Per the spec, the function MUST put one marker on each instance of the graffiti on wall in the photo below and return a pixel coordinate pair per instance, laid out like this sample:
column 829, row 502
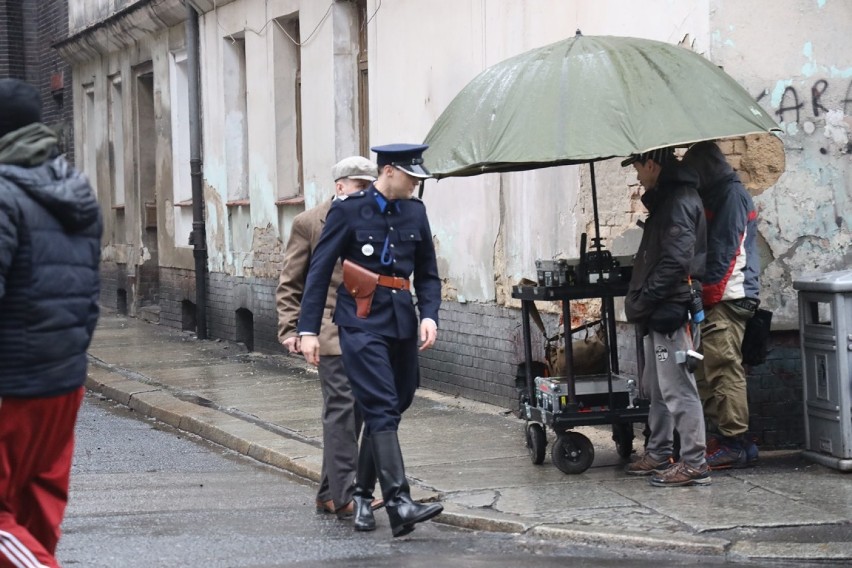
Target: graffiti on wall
column 795, row 107
column 793, row 102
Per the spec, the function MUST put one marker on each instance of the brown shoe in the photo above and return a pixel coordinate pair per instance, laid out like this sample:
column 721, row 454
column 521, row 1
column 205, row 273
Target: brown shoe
column 646, row 465
column 325, row 507
column 682, row 475
column 346, row 511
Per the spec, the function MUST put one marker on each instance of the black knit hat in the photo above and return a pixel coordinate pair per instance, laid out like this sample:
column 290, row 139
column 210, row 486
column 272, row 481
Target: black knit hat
column 20, row 105
column 660, row 155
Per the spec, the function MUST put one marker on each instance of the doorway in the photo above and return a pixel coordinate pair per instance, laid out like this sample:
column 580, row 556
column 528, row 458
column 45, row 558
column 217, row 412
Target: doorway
column 148, row 266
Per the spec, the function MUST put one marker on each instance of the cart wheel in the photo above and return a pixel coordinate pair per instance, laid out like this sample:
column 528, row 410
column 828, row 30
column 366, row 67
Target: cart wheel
column 536, row 443
column 572, row 453
column 622, row 435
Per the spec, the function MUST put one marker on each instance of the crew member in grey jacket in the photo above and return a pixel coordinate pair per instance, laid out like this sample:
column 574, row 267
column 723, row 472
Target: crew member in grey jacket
column 50, row 231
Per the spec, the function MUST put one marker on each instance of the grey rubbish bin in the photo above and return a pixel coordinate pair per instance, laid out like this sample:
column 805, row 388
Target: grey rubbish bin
column 825, row 324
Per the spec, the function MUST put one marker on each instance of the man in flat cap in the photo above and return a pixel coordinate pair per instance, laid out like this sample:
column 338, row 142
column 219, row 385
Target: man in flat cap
column 668, row 266
column 383, row 236
column 341, row 419
column 50, row 231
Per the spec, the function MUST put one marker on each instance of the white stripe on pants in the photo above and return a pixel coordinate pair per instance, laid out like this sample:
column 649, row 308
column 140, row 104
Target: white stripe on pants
column 18, row 554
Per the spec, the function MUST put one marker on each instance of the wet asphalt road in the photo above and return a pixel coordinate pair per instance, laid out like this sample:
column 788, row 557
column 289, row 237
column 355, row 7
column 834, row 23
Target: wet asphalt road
column 146, row 495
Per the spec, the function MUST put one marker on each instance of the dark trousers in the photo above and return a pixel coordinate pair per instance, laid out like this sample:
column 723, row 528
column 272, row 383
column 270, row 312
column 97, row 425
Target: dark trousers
column 384, row 373
column 341, row 424
column 36, row 446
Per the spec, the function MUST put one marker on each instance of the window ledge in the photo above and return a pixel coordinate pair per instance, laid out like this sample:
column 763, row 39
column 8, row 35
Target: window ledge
column 238, row 203
column 118, row 207
column 295, row 200
column 184, row 203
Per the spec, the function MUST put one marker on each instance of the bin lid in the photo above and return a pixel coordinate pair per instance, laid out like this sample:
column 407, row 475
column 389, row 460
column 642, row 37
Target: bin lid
column 840, row 281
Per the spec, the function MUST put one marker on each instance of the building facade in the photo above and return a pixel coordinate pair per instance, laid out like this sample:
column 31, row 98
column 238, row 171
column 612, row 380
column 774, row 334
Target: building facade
column 288, row 87
column 28, row 31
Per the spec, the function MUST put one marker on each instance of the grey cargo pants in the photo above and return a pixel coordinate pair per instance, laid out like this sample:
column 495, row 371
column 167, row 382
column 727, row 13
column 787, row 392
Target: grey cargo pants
column 674, row 399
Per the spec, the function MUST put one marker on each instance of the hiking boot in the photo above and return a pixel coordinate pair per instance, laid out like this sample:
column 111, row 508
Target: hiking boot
column 646, row 465
column 729, row 455
column 682, row 475
column 751, row 451
column 712, row 442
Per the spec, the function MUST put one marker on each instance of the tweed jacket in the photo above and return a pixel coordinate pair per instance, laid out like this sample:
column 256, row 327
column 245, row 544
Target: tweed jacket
column 305, row 234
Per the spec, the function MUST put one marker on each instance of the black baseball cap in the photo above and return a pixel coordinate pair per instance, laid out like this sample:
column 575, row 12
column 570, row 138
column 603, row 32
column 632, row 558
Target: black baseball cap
column 659, row 155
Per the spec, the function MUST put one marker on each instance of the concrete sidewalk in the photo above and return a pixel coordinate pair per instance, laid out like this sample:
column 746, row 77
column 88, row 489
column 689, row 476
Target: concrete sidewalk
column 473, row 458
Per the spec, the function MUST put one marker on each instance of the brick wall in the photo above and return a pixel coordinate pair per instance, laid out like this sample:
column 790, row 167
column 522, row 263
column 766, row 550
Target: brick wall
column 111, row 281
column 775, row 394
column 476, row 355
column 12, row 43
column 27, row 32
column 175, row 286
column 481, row 345
column 225, row 295
column 57, row 105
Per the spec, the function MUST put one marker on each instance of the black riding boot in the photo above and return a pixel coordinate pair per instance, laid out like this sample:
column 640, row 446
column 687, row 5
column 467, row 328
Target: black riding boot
column 365, row 482
column 402, row 511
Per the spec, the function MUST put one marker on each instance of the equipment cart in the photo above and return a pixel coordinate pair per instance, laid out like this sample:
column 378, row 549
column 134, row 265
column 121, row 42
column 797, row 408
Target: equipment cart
column 563, row 403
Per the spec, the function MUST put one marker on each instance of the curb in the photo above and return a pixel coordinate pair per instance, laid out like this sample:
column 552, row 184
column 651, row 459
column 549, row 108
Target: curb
column 221, row 428
column 684, row 543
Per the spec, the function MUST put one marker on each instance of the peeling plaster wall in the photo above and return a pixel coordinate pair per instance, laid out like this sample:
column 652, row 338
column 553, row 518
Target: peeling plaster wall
column 796, row 61
column 246, row 229
column 99, row 62
column 328, row 124
column 81, row 14
column 489, row 230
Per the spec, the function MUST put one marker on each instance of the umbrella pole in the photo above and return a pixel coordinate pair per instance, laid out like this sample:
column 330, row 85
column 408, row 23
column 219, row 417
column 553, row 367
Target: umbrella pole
column 607, row 308
column 596, row 242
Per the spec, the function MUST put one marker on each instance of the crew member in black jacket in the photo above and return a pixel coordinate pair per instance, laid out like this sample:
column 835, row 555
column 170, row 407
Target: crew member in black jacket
column 669, row 264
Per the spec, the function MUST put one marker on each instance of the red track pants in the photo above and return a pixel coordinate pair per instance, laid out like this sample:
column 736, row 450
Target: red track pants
column 36, row 446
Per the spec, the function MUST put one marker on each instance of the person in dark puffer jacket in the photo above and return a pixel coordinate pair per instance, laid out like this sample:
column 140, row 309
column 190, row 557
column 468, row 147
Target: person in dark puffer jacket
column 671, row 256
column 50, row 241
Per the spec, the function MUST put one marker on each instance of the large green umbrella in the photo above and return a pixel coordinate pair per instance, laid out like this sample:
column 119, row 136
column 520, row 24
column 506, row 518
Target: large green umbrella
column 588, row 98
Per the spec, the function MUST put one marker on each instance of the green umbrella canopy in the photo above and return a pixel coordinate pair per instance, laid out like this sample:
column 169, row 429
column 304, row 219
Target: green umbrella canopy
column 588, row 98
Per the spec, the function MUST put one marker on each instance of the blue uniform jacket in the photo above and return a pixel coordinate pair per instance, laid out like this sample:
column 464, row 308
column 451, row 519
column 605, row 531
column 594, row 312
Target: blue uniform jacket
column 390, row 238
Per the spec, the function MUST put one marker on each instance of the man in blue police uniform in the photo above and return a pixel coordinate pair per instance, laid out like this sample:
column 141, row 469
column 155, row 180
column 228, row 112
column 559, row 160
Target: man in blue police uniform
column 382, row 235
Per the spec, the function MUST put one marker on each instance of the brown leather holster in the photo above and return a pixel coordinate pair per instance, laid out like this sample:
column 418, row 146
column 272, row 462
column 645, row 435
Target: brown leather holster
column 361, row 284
